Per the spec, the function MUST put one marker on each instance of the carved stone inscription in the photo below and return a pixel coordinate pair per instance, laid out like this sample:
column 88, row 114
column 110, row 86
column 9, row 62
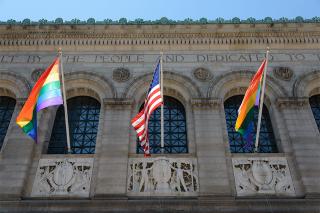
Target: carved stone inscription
column 168, row 58
column 162, row 176
column 63, row 177
column 254, row 176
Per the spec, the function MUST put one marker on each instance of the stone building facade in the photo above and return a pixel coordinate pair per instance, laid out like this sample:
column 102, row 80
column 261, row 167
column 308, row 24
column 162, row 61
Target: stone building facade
column 205, row 65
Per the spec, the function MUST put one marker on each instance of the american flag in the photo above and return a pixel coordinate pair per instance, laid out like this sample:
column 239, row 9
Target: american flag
column 152, row 102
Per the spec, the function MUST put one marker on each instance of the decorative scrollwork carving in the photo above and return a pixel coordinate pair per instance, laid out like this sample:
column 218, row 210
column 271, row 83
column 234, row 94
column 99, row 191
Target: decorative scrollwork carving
column 292, row 103
column 121, row 75
column 202, row 74
column 56, row 177
column 162, row 176
column 262, row 176
column 205, row 103
column 35, row 75
column 284, row 73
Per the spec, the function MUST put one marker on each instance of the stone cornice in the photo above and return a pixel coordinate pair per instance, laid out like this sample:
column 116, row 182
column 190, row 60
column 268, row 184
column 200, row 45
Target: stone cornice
column 205, row 103
column 157, row 31
column 161, row 35
column 292, row 103
column 146, row 36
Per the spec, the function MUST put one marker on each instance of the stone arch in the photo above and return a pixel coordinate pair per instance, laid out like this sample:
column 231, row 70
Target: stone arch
column 307, row 84
column 89, row 84
column 83, row 91
column 178, row 86
column 14, row 85
column 235, row 83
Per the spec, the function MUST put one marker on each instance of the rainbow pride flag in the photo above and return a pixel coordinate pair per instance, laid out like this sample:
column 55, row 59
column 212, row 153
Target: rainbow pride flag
column 46, row 92
column 244, row 124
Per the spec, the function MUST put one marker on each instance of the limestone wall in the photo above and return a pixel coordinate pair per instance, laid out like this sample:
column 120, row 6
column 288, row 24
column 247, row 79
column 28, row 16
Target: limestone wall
column 203, row 66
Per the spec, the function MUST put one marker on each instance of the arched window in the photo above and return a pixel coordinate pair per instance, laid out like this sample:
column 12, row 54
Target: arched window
column 175, row 128
column 315, row 107
column 83, row 115
column 7, row 105
column 237, row 144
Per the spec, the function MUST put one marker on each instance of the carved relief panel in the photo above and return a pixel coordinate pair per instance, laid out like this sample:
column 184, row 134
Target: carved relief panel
column 162, row 176
column 268, row 175
column 63, row 177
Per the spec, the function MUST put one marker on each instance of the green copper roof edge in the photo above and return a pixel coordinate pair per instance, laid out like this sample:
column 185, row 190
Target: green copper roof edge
column 161, row 21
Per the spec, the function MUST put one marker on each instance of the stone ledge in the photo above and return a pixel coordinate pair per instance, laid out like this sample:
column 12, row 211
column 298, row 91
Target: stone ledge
column 210, row 204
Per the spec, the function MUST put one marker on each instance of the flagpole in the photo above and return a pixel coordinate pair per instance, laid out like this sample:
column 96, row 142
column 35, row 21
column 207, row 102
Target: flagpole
column 65, row 103
column 161, row 90
column 261, row 102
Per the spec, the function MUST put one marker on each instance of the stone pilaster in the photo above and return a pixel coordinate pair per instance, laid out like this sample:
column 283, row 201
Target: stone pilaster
column 305, row 140
column 111, row 177
column 210, row 150
column 15, row 159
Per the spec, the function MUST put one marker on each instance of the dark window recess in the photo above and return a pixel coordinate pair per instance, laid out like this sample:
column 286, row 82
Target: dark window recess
column 175, row 129
column 315, row 107
column 267, row 143
column 83, row 115
column 7, row 105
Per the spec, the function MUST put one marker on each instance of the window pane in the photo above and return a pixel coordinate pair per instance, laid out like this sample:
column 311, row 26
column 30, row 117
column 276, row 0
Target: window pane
column 83, row 115
column 175, row 130
column 315, row 107
column 7, row 105
column 237, row 144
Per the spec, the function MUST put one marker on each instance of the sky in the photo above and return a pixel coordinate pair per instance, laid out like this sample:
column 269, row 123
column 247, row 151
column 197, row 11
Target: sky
column 155, row 9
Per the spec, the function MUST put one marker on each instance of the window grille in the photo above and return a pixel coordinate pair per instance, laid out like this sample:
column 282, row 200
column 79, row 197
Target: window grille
column 83, row 115
column 175, row 129
column 267, row 143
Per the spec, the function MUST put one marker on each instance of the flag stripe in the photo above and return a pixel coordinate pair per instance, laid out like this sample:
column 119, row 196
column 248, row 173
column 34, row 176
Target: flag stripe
column 50, row 102
column 55, row 85
column 49, row 95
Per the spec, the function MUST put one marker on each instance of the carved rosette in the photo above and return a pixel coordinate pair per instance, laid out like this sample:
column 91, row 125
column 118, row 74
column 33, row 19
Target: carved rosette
column 36, row 73
column 202, row 74
column 162, row 177
column 269, row 175
column 121, row 75
column 283, row 73
column 63, row 177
